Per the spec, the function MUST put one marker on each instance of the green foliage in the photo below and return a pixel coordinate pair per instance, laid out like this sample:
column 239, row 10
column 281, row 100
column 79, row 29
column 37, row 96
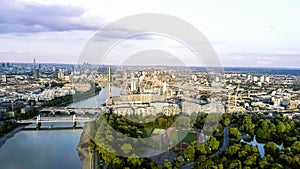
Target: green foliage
column 62, row 101
column 235, row 164
column 247, row 125
column 227, row 121
column 296, row 147
column 239, row 155
column 281, row 127
column 126, row 148
column 6, row 127
column 270, row 148
column 235, row 133
column 265, row 129
column 32, row 112
column 167, row 165
column 212, row 143
column 189, row 153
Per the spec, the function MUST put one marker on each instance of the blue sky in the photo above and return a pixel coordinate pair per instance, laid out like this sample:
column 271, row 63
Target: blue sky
column 244, row 33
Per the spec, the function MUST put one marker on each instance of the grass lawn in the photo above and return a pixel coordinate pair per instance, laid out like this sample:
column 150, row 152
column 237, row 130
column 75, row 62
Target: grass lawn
column 190, row 137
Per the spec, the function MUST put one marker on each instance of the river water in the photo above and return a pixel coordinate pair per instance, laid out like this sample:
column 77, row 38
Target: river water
column 96, row 101
column 48, row 149
column 41, row 150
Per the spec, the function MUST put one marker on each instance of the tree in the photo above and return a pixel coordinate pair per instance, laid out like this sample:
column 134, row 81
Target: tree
column 212, row 143
column 265, row 130
column 296, row 147
column 117, row 163
column 178, row 162
column 247, row 125
column 126, row 148
column 281, row 127
column 235, row 133
column 167, row 164
column 227, row 121
column 251, row 160
column 232, row 150
column 235, row 164
column 270, row 148
column 134, row 161
column 263, row 163
column 277, row 166
column 199, row 149
column 189, row 153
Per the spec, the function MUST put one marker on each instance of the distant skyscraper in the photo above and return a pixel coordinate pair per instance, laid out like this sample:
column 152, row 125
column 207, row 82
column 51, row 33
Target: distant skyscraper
column 262, row 79
column 36, row 73
column 61, row 75
column 267, row 79
column 34, row 63
column 165, row 88
column 6, row 65
column 249, row 77
column 255, row 79
column 4, row 78
column 133, row 86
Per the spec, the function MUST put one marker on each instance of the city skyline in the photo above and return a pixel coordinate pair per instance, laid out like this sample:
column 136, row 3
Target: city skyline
column 244, row 34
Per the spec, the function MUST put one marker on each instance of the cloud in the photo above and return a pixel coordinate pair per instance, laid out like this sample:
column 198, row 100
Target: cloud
column 14, row 52
column 266, row 56
column 21, row 17
column 122, row 33
column 276, row 59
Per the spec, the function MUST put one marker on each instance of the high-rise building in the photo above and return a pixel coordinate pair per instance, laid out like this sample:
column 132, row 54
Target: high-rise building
column 4, row 79
column 34, row 63
column 133, row 86
column 36, row 73
column 262, row 79
column 61, row 75
column 255, row 79
column 249, row 77
column 165, row 88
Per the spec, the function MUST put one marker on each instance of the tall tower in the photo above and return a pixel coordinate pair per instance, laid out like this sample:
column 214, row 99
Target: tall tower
column 34, row 63
column 109, row 81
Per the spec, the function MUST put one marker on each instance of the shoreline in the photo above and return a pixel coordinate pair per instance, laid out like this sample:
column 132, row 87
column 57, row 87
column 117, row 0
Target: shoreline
column 9, row 135
column 75, row 98
column 83, row 150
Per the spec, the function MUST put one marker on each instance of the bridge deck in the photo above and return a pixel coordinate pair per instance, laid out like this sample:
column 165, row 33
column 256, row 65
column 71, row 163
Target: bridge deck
column 58, row 120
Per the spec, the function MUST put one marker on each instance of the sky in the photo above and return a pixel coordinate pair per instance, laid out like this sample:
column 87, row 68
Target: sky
column 250, row 33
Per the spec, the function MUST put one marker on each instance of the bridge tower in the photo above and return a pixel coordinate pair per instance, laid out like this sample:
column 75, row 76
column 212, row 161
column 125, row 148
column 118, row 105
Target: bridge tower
column 74, row 121
column 38, row 121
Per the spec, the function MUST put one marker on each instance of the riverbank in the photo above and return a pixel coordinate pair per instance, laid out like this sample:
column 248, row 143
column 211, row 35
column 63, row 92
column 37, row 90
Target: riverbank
column 9, row 135
column 68, row 99
column 84, row 151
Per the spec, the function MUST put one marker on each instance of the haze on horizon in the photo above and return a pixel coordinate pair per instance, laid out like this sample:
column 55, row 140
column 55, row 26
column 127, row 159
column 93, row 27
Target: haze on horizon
column 243, row 33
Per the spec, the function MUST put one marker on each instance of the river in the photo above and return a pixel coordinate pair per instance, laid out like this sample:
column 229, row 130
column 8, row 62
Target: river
column 96, row 101
column 48, row 149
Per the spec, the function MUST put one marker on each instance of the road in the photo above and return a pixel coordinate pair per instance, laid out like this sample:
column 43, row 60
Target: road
column 225, row 141
column 223, row 148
